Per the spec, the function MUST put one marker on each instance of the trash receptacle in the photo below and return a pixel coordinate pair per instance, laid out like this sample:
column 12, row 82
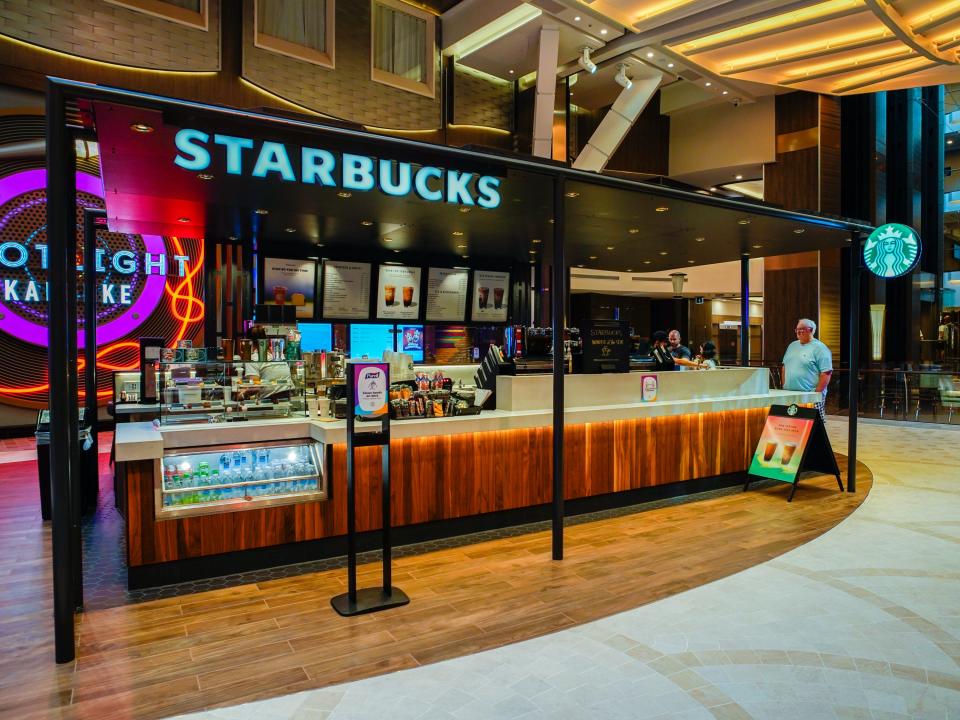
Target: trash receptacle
column 89, row 471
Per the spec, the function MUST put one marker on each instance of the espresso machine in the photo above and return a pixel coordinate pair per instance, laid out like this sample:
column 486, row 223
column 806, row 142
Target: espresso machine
column 529, row 350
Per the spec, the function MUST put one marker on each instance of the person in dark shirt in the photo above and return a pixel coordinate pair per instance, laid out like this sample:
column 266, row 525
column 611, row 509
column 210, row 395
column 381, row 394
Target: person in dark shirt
column 677, row 349
column 662, row 357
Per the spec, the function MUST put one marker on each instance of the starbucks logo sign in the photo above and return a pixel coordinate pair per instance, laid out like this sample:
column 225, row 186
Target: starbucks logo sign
column 891, row 250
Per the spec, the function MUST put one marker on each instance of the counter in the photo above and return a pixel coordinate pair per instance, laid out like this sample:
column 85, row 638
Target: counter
column 460, row 474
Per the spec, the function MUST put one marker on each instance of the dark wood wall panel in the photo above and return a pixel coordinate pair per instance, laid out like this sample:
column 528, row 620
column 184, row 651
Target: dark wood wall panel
column 792, row 181
column 646, row 147
column 455, row 476
column 830, row 182
column 787, row 295
column 796, row 111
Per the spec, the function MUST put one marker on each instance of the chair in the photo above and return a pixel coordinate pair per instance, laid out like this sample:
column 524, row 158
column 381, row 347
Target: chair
column 894, row 390
column 925, row 390
column 949, row 396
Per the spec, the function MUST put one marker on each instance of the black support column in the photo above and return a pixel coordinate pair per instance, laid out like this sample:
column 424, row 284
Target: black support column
column 558, row 292
column 853, row 353
column 745, row 310
column 62, row 278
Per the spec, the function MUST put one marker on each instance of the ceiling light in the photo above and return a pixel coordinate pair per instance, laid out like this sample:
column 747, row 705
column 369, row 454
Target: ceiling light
column 366, row 223
column 344, row 194
column 510, row 71
column 629, row 269
column 708, row 83
column 232, row 237
column 312, row 257
column 757, row 247
column 662, row 209
column 647, row 262
column 610, row 247
column 649, row 54
column 391, row 262
column 633, row 231
column 396, row 251
column 262, row 211
column 461, row 247
column 593, row 257
column 205, row 176
column 536, row 241
column 585, row 62
column 700, row 239
column 621, row 77
column 743, row 221
column 464, row 209
column 691, row 261
column 141, row 128
column 725, row 92
column 532, row 252
column 388, row 239
column 799, row 231
column 183, row 219
column 663, row 252
column 290, row 229
column 603, row 32
column 580, row 265
column 571, row 194
column 713, row 189
column 457, row 233
column 669, row 65
column 465, row 257
column 949, row 142
column 738, row 177
column 319, row 244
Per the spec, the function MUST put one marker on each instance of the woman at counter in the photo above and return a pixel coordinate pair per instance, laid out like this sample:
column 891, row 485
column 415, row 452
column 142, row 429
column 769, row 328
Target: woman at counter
column 707, row 359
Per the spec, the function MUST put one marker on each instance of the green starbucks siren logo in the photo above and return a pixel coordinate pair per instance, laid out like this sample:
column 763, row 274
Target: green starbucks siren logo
column 891, row 250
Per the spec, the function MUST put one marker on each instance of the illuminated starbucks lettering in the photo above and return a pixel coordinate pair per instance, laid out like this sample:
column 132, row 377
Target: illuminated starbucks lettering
column 891, row 250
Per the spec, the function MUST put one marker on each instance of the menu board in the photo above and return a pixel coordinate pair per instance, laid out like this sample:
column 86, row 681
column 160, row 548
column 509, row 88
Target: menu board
column 398, row 293
column 447, row 294
column 490, row 296
column 782, row 444
column 346, row 290
column 290, row 282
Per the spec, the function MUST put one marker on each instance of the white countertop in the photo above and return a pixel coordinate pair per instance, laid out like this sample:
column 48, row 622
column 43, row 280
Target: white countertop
column 145, row 441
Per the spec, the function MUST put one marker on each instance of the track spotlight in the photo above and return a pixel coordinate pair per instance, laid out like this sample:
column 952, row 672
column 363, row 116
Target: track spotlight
column 621, row 77
column 585, row 62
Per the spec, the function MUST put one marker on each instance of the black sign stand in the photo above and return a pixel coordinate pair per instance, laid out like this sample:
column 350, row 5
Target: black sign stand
column 816, row 456
column 373, row 599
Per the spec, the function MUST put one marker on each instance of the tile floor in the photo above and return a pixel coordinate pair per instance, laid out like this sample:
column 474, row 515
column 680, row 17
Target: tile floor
column 863, row 622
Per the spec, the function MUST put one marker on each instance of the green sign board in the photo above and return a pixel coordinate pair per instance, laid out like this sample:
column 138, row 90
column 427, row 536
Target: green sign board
column 891, row 250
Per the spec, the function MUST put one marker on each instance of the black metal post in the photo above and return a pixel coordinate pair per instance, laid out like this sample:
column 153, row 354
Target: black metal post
column 745, row 310
column 853, row 383
column 558, row 293
column 351, row 496
column 91, row 219
column 60, row 229
column 387, row 558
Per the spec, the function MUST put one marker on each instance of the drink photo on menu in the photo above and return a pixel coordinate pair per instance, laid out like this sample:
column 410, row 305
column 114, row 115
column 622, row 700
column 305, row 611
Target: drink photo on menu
column 398, row 294
column 490, row 295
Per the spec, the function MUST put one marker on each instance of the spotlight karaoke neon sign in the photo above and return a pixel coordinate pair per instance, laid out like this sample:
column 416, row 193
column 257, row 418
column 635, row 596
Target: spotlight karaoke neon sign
column 321, row 167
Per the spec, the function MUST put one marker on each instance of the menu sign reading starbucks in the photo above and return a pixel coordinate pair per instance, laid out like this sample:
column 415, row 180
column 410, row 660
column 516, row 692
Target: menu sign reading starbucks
column 891, row 250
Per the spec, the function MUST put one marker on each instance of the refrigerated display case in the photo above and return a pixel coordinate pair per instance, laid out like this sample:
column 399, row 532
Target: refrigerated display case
column 227, row 478
column 231, row 391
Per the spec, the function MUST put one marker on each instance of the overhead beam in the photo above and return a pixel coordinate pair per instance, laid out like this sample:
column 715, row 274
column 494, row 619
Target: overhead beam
column 850, row 67
column 898, row 26
column 840, row 90
column 923, row 28
column 546, row 92
column 811, row 55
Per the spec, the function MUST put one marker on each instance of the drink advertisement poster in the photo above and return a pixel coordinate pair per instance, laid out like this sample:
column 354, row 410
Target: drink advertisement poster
column 398, row 293
column 781, row 447
column 290, row 282
column 371, row 382
column 490, row 296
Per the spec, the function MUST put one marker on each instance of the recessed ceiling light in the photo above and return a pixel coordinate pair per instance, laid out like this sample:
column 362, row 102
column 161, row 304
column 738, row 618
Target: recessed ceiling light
column 708, row 83
column 663, row 252
column 366, row 223
column 465, row 257
column 725, row 92
column 461, row 247
column 746, row 254
column 536, row 241
column 713, row 189
column 757, row 247
column 633, row 231
column 649, row 54
column 290, row 229
column 457, row 233
column 391, row 262
column 551, row 220
column 319, row 244
column 691, row 261
column 603, row 32
column 669, row 65
column 312, row 257
column 510, row 71
column 738, row 177
column 662, row 209
column 700, row 239
column 205, row 176
column 141, row 128
column 532, row 252
column 647, row 262
column 593, row 257
column 580, row 265
column 799, row 231
column 388, row 239
column 396, row 251
column 262, row 211
column 629, row 269
column 232, row 237
column 743, row 221
column 571, row 194
column 610, row 247
column 183, row 219
column 577, row 19
column 344, row 194
column 949, row 142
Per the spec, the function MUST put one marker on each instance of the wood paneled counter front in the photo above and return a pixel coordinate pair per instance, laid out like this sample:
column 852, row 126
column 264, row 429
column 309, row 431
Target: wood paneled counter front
column 451, row 469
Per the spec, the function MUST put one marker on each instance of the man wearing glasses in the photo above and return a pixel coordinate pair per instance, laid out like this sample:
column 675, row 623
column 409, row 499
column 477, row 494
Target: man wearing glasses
column 808, row 363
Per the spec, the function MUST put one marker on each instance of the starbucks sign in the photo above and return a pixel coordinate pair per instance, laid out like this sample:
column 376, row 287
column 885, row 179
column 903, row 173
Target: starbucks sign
column 892, row 250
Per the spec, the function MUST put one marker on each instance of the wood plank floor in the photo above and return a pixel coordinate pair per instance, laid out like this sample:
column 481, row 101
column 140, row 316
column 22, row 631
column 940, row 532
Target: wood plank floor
column 223, row 647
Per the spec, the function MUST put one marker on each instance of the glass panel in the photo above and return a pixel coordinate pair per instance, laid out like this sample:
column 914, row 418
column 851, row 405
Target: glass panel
column 302, row 22
column 400, row 43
